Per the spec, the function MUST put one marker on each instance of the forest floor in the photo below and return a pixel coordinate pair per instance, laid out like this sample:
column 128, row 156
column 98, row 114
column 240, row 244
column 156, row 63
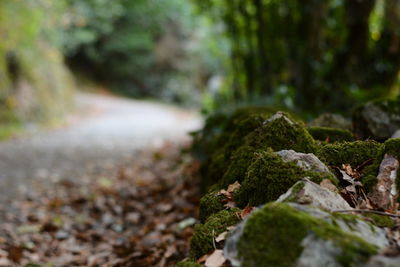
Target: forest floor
column 109, row 188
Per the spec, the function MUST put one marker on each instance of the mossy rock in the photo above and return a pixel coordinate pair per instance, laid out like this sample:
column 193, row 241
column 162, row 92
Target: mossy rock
column 187, row 263
column 210, row 203
column 243, row 127
column 275, row 235
column 353, row 153
column 380, row 220
column 204, row 234
column 280, row 132
column 269, row 176
column 330, row 135
column 239, row 163
column 213, row 170
column 377, row 119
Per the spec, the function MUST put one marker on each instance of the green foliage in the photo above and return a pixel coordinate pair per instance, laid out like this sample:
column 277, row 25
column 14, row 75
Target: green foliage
column 309, row 55
column 330, row 135
column 284, row 228
column 204, row 234
column 34, row 84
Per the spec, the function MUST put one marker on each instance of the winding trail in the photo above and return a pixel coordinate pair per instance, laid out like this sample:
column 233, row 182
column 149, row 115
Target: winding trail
column 106, row 131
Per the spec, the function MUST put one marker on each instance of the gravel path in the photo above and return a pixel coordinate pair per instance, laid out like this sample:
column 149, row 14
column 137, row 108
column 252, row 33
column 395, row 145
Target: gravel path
column 106, row 131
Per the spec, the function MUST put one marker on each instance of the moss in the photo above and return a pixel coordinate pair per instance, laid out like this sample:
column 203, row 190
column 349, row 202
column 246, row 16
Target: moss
column 9, row 123
column 331, row 135
column 213, row 170
column 243, row 127
column 204, row 234
column 186, row 263
column 240, row 161
column 353, row 153
column 282, row 133
column 283, row 229
column 269, row 176
column 380, row 220
column 210, row 203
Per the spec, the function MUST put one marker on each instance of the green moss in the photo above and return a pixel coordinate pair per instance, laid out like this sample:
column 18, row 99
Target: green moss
column 210, row 203
column 269, row 176
column 331, row 135
column 283, row 229
column 353, row 153
column 204, row 234
column 243, row 127
column 380, row 220
column 213, row 170
column 240, row 161
column 282, row 133
column 186, row 263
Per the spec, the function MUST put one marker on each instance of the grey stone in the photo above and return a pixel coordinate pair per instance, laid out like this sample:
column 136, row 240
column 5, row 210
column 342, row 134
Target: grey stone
column 377, row 119
column 396, row 134
column 307, row 192
column 308, row 162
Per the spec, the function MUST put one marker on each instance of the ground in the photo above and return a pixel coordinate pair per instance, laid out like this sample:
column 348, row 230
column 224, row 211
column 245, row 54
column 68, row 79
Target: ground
column 105, row 131
column 110, row 187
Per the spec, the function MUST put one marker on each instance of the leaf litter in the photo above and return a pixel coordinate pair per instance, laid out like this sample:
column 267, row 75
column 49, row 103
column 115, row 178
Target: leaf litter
column 141, row 215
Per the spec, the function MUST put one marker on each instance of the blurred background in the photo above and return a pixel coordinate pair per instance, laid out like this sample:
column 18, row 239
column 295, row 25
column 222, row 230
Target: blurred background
column 307, row 56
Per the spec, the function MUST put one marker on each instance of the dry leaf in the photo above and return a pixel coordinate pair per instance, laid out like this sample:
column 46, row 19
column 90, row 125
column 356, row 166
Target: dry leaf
column 233, row 187
column 246, row 211
column 216, row 259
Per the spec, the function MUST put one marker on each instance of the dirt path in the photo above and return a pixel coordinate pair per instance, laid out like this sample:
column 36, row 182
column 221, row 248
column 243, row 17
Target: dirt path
column 109, row 131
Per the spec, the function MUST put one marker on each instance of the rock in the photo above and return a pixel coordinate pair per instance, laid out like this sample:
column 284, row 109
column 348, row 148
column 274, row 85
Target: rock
column 383, row 261
column 396, row 134
column 331, row 121
column 384, row 193
column 330, row 135
column 290, row 234
column 307, row 192
column 377, row 119
column 308, row 162
column 270, row 176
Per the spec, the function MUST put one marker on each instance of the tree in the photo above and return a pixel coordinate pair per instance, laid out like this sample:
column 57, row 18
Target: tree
column 324, row 55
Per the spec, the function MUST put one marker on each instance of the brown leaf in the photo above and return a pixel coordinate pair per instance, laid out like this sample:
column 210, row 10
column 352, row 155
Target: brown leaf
column 233, row 187
column 246, row 211
column 216, row 259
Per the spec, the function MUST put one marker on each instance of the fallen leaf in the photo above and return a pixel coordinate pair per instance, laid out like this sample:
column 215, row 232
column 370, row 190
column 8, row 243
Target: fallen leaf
column 216, row 259
column 233, row 187
column 246, row 211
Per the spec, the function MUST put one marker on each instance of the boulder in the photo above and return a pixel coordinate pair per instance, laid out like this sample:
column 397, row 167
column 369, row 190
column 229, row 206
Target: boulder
column 331, row 120
column 290, row 234
column 307, row 192
column 377, row 119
